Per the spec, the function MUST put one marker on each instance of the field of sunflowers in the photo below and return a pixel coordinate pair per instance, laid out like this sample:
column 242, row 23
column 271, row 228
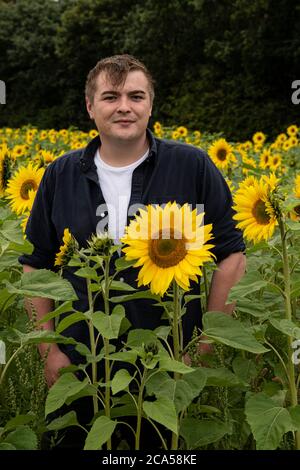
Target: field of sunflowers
column 243, row 396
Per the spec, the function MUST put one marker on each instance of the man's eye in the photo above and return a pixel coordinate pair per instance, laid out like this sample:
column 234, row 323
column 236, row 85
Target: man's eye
column 109, row 98
column 137, row 97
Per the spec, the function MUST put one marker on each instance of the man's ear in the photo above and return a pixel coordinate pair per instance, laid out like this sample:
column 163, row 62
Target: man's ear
column 89, row 107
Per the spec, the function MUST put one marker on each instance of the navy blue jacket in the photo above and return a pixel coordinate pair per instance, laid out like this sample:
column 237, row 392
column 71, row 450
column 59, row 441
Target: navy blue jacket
column 70, row 196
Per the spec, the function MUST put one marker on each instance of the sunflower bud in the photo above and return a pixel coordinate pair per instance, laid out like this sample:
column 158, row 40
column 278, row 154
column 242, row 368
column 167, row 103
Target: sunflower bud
column 101, row 244
column 150, row 355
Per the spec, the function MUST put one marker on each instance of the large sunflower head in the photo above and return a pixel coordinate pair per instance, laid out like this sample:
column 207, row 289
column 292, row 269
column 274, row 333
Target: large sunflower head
column 24, row 180
column 66, row 250
column 254, row 211
column 168, row 243
column 221, row 153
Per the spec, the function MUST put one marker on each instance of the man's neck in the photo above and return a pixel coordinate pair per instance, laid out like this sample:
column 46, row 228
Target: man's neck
column 120, row 153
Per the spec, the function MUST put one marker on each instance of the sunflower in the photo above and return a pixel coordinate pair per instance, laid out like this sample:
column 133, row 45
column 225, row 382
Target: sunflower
column 286, row 145
column 249, row 181
column 264, row 159
column 157, row 127
column 182, row 131
column 169, row 243
column 292, row 130
column 25, row 179
column 93, row 133
column 248, row 160
column 293, row 141
column 259, row 138
column 221, row 153
column 281, row 138
column 275, row 162
column 66, row 250
column 271, row 180
column 254, row 211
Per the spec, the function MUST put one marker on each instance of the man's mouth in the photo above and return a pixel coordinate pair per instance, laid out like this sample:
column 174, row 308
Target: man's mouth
column 124, row 121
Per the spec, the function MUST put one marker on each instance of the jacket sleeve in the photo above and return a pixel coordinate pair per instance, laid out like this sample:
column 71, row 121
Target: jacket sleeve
column 216, row 197
column 40, row 229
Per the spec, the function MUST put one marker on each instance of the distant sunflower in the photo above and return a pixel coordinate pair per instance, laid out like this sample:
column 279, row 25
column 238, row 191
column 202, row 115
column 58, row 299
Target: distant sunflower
column 286, row 145
column 281, row 138
column 66, row 250
column 292, row 130
column 93, row 133
column 169, row 243
column 271, row 180
column 182, row 131
column 254, row 211
column 19, row 151
column 275, row 162
column 157, row 127
column 264, row 159
column 25, row 179
column 221, row 153
column 249, row 181
column 259, row 138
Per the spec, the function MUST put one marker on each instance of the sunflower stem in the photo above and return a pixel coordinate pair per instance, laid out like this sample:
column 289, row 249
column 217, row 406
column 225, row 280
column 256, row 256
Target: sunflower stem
column 106, row 346
column 206, row 288
column 288, row 316
column 140, row 410
column 93, row 344
column 176, row 345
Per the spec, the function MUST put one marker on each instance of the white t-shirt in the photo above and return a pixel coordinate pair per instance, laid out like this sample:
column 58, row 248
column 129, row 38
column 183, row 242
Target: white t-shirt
column 115, row 183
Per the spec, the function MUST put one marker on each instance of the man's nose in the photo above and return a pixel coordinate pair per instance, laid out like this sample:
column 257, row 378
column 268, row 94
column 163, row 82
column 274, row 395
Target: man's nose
column 124, row 105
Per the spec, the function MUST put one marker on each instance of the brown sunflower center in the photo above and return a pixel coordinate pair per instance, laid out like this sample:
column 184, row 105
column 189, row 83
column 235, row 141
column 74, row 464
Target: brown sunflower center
column 26, row 187
column 260, row 214
column 166, row 252
column 221, row 154
column 297, row 209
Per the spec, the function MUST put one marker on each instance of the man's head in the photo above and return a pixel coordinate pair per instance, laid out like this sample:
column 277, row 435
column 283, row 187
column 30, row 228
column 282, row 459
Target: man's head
column 116, row 69
column 119, row 97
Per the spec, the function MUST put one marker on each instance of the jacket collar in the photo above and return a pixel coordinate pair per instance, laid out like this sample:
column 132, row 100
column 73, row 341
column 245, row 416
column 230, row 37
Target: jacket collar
column 87, row 158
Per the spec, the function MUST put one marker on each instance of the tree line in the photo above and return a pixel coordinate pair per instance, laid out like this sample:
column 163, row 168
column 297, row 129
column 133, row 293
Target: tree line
column 219, row 65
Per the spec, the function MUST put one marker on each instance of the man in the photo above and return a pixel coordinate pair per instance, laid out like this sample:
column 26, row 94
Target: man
column 129, row 166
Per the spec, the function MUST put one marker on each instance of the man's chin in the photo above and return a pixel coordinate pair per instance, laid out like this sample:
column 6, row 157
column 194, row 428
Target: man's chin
column 128, row 136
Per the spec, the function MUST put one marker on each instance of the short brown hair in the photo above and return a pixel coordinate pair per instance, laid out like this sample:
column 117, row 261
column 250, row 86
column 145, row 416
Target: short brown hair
column 117, row 68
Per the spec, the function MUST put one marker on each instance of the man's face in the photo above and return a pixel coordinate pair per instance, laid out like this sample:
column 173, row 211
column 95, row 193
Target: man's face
column 121, row 114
